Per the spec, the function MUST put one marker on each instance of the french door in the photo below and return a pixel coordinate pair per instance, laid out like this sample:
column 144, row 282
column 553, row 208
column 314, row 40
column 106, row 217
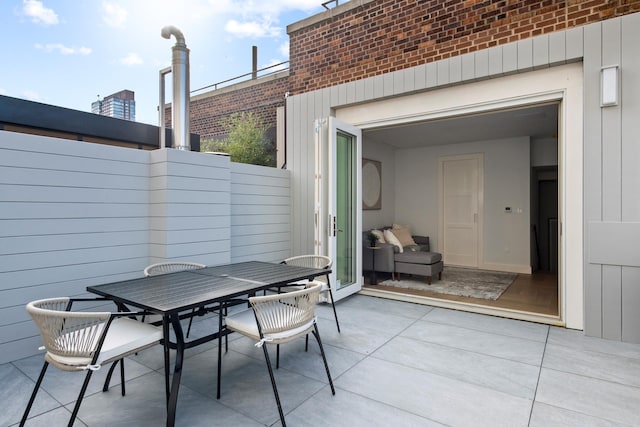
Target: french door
column 338, row 202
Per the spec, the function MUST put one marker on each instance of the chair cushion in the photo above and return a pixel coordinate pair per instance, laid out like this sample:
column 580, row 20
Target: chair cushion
column 125, row 336
column 245, row 323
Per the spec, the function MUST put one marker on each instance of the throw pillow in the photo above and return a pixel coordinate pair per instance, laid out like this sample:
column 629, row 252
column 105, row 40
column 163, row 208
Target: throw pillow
column 380, row 235
column 390, row 238
column 397, row 226
column 404, row 236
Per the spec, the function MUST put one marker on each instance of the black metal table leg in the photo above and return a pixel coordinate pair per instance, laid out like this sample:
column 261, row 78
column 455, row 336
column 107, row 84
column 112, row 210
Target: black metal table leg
column 177, row 371
column 167, row 355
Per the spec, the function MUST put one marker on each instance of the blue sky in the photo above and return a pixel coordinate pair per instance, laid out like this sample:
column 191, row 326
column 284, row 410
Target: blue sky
column 67, row 52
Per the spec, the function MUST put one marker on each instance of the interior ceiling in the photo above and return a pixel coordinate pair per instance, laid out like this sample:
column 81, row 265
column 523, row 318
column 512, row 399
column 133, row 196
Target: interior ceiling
column 540, row 121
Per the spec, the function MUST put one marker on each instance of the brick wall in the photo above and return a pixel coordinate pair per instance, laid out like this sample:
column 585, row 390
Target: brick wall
column 208, row 111
column 388, row 35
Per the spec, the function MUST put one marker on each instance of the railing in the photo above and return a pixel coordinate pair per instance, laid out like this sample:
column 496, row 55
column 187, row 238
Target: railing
column 326, row 3
column 217, row 85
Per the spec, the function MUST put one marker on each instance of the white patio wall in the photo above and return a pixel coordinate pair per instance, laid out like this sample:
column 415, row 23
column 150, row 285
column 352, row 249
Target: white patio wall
column 74, row 214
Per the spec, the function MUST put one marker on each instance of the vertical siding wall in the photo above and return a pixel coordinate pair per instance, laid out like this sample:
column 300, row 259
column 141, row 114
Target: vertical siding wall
column 612, row 177
column 611, row 150
column 75, row 214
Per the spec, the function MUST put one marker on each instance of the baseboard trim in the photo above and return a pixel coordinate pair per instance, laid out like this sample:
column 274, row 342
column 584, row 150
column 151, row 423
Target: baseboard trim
column 508, row 268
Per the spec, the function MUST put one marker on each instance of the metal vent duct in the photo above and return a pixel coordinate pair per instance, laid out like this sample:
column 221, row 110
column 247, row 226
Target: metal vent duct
column 180, row 72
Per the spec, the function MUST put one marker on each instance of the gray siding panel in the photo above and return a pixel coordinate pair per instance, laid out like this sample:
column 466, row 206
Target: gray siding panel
column 611, row 302
column 455, row 69
column 442, row 70
column 630, row 298
column 611, row 144
column 495, row 60
column 592, row 179
column 482, row 64
column 525, row 54
column 557, row 48
column 420, row 77
column 510, row 58
column 541, row 51
column 630, row 129
column 469, row 66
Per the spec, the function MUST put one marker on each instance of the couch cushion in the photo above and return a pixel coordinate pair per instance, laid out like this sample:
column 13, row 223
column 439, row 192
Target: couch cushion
column 391, row 238
column 418, row 257
column 404, row 236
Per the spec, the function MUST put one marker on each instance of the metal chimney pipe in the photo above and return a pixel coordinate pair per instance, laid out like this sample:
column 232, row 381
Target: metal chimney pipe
column 254, row 62
column 180, row 71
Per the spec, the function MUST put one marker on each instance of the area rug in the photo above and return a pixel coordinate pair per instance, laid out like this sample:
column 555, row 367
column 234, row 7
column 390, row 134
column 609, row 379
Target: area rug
column 464, row 282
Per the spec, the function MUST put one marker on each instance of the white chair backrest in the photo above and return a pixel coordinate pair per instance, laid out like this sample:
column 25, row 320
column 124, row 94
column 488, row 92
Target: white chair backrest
column 311, row 261
column 170, row 267
column 72, row 335
column 283, row 312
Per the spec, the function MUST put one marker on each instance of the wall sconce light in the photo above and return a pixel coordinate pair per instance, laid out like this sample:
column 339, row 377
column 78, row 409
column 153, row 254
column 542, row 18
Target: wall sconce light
column 609, row 86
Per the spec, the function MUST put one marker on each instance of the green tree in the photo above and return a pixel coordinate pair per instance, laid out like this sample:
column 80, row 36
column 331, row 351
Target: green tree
column 246, row 140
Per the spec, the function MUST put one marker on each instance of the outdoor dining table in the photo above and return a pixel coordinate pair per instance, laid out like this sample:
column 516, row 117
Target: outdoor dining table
column 171, row 294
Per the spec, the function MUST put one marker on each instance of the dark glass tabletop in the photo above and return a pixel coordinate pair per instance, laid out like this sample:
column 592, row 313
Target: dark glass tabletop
column 175, row 292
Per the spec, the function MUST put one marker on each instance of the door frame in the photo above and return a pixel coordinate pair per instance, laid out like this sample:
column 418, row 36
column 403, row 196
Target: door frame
column 563, row 84
column 325, row 241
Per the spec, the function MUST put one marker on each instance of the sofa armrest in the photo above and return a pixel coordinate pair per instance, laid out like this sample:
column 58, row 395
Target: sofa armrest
column 423, row 242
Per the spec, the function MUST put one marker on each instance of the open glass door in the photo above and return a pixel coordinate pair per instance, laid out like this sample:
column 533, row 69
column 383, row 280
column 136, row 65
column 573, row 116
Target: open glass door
column 338, row 202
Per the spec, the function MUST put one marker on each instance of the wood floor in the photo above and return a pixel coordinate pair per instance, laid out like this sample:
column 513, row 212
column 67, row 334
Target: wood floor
column 534, row 293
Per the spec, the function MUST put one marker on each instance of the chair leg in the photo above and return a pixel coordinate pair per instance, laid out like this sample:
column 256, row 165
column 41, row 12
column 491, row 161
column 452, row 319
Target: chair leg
column 278, row 356
column 107, row 380
column 33, row 395
column 122, row 389
column 273, row 384
column 219, row 350
column 306, row 343
column 335, row 313
column 76, row 407
column 316, row 334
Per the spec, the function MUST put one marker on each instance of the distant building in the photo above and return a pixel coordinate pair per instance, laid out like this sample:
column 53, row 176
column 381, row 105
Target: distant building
column 120, row 105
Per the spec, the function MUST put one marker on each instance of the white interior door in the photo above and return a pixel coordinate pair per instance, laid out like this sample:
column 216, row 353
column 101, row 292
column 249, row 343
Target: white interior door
column 460, row 209
column 338, row 202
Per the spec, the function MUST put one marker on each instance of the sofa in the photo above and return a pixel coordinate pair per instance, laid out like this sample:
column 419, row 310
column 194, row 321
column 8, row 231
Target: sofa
column 416, row 259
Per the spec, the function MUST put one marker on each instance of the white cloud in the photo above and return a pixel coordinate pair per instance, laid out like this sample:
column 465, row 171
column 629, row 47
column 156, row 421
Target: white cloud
column 284, row 49
column 39, row 13
column 31, row 95
column 114, row 15
column 251, row 29
column 3, row 91
column 268, row 9
column 64, row 50
column 131, row 59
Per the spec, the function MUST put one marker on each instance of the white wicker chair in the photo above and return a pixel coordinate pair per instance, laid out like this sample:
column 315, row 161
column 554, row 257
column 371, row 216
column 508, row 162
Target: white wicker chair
column 170, row 267
column 81, row 340
column 312, row 261
column 277, row 319
column 166, row 268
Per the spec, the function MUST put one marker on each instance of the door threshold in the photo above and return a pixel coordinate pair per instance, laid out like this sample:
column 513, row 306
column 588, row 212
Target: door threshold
column 465, row 306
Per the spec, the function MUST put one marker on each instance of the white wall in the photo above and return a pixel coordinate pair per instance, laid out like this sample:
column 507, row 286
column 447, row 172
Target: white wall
column 544, row 152
column 385, row 155
column 506, row 183
column 76, row 214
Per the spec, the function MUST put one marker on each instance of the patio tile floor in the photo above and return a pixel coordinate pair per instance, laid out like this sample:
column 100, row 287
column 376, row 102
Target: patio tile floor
column 394, row 363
